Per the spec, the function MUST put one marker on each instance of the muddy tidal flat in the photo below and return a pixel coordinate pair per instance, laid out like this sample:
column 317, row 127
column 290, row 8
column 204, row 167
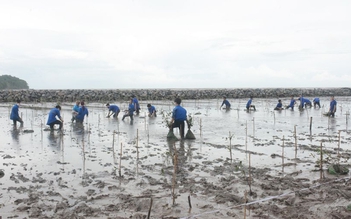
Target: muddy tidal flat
column 257, row 164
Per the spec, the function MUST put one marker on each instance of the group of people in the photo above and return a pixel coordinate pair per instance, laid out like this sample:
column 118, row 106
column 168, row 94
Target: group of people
column 179, row 114
column 304, row 103
column 113, row 110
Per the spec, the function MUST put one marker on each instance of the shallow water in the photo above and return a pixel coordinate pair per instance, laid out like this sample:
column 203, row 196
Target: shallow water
column 66, row 160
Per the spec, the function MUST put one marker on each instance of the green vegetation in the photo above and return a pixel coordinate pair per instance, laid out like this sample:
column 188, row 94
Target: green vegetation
column 10, row 82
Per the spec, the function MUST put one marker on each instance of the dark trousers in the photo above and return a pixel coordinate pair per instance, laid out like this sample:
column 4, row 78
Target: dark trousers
column 331, row 114
column 292, row 107
column 317, row 104
column 57, row 122
column 115, row 115
column 181, row 125
column 17, row 120
column 129, row 114
column 251, row 106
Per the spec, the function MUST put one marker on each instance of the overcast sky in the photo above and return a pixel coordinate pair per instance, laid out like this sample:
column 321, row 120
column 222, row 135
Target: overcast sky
column 176, row 44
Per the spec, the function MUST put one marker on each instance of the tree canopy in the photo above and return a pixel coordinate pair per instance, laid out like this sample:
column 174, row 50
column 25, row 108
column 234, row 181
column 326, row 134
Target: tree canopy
column 10, row 82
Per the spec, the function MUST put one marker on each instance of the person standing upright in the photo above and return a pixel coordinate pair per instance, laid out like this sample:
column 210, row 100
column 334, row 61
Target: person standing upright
column 136, row 104
column 332, row 108
column 15, row 115
column 130, row 110
column 292, row 103
column 83, row 110
column 75, row 110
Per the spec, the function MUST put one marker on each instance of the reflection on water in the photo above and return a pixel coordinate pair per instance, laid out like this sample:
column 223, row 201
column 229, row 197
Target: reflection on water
column 15, row 135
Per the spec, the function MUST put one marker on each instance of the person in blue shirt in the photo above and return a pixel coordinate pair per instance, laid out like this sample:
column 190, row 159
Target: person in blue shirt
column 136, row 104
column 304, row 102
column 112, row 110
column 130, row 111
column 82, row 112
column 307, row 103
column 75, row 110
column 292, row 103
column 249, row 104
column 226, row 103
column 15, row 115
column 332, row 108
column 52, row 120
column 279, row 105
column 179, row 117
column 152, row 110
column 316, row 102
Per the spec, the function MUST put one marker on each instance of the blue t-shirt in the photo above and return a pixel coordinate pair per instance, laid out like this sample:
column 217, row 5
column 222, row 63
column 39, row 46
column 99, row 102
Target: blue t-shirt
column 52, row 115
column 248, row 103
column 14, row 112
column 136, row 103
column 75, row 108
column 81, row 113
column 292, row 102
column 113, row 108
column 306, row 101
column 179, row 113
column 332, row 106
column 151, row 109
column 131, row 108
column 316, row 100
column 226, row 103
column 279, row 105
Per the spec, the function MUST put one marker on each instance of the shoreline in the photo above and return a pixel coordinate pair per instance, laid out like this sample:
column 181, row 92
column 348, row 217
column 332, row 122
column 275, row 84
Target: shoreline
column 97, row 95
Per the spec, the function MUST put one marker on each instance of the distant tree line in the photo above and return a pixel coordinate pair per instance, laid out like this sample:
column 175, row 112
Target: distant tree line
column 10, row 82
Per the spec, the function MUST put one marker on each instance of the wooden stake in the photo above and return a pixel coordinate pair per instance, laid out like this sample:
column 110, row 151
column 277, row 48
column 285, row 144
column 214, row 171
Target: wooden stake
column 246, row 137
column 230, row 146
column 149, row 213
column 321, row 163
column 283, row 155
column 200, row 127
column 295, row 136
column 253, row 127
column 245, row 205
column 174, row 176
column 339, row 142
column 113, row 142
column 189, row 201
column 120, row 162
column 311, row 125
column 250, row 170
column 137, row 144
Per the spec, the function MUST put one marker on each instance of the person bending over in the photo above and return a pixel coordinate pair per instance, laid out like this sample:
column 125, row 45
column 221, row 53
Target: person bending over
column 152, row 110
column 178, row 117
column 55, row 112
column 249, row 104
column 226, row 103
column 112, row 110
